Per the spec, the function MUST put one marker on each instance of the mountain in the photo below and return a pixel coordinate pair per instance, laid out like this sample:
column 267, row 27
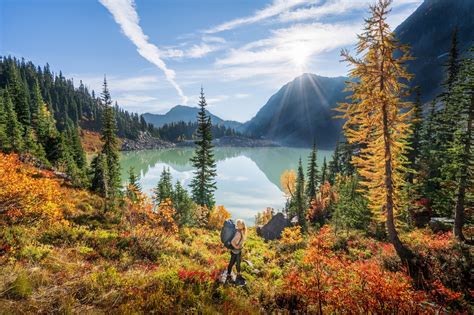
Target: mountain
column 186, row 114
column 301, row 112
column 428, row 31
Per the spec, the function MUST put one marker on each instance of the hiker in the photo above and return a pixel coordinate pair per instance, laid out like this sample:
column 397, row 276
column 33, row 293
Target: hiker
column 236, row 252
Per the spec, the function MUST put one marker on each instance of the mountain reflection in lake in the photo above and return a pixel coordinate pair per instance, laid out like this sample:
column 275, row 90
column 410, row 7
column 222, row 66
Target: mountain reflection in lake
column 248, row 179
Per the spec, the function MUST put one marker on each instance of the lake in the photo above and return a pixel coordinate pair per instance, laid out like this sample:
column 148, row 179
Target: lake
column 248, row 179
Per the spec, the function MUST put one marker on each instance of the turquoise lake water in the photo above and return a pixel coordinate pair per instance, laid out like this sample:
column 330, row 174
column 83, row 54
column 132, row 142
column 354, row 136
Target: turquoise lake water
column 248, row 179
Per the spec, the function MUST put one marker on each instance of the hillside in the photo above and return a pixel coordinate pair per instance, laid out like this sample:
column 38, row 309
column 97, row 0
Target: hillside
column 428, row 31
column 59, row 252
column 186, row 114
column 301, row 112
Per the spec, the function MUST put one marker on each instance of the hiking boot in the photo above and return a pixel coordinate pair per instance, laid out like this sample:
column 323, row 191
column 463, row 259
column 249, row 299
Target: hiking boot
column 239, row 280
column 229, row 279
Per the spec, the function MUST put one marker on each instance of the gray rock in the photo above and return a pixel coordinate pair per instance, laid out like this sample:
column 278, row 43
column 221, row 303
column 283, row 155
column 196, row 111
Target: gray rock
column 272, row 230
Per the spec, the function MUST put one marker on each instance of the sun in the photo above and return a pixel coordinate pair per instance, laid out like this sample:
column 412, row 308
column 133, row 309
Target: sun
column 298, row 55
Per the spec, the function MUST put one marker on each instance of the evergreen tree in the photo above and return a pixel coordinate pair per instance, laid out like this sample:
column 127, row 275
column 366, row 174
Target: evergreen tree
column 299, row 199
column 460, row 150
column 45, row 124
column 110, row 150
column 164, row 188
column 99, row 181
column 378, row 92
column 37, row 103
column 351, row 210
column 312, row 174
column 18, row 96
column 13, row 127
column 443, row 176
column 334, row 167
column 453, row 65
column 324, row 172
column 415, row 138
column 133, row 185
column 75, row 145
column 203, row 184
column 33, row 147
column 4, row 141
column 185, row 207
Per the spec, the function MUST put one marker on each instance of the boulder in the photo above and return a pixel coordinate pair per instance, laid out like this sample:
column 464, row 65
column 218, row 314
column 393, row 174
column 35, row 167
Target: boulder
column 272, row 230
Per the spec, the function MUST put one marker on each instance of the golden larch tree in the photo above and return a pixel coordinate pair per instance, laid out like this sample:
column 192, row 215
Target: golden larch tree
column 378, row 118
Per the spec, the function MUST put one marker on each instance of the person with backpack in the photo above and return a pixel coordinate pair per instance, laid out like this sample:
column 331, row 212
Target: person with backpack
column 237, row 243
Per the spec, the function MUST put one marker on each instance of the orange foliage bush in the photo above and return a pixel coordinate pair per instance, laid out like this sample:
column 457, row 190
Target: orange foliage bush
column 166, row 213
column 138, row 210
column 291, row 237
column 27, row 195
column 217, row 217
column 330, row 282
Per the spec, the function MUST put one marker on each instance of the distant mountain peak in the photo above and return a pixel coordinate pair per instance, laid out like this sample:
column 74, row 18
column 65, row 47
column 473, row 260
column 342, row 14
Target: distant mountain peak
column 187, row 114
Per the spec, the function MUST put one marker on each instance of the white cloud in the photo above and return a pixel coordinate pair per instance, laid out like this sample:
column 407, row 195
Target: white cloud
column 193, row 52
column 126, row 16
column 331, row 7
column 339, row 7
column 287, row 44
column 198, row 51
column 274, row 9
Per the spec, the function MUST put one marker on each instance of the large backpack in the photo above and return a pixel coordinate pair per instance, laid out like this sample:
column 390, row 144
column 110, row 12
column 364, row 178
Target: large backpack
column 227, row 233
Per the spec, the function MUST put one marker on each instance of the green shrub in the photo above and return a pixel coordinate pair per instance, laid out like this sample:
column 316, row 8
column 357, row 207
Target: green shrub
column 21, row 288
column 34, row 253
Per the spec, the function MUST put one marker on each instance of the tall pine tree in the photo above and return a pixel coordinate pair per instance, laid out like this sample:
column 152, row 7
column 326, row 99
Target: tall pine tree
column 312, row 174
column 110, row 154
column 164, row 188
column 203, row 184
column 460, row 150
column 299, row 200
column 14, row 129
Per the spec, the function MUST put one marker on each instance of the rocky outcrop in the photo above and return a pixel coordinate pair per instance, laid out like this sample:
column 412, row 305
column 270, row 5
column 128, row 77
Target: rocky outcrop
column 234, row 141
column 272, row 230
column 145, row 141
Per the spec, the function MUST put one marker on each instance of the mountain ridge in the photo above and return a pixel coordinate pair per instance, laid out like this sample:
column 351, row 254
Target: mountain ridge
column 187, row 114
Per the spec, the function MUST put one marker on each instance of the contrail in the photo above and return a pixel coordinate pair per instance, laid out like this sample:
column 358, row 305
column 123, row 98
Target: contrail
column 126, row 16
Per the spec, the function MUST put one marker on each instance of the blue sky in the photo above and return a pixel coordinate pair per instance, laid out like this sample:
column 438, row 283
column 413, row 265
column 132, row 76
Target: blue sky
column 157, row 54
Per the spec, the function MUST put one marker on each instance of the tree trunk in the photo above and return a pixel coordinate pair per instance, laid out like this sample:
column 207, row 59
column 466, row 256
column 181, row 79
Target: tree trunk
column 463, row 180
column 404, row 253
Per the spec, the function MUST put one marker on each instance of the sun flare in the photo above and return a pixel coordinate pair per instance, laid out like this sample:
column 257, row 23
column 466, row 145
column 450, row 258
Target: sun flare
column 299, row 55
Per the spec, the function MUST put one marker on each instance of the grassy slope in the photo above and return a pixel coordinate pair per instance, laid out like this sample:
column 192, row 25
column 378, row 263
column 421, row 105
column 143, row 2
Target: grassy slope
column 85, row 262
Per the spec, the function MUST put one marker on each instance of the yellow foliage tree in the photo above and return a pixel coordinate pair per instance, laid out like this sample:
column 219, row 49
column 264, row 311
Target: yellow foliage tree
column 378, row 118
column 288, row 182
column 264, row 217
column 217, row 217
